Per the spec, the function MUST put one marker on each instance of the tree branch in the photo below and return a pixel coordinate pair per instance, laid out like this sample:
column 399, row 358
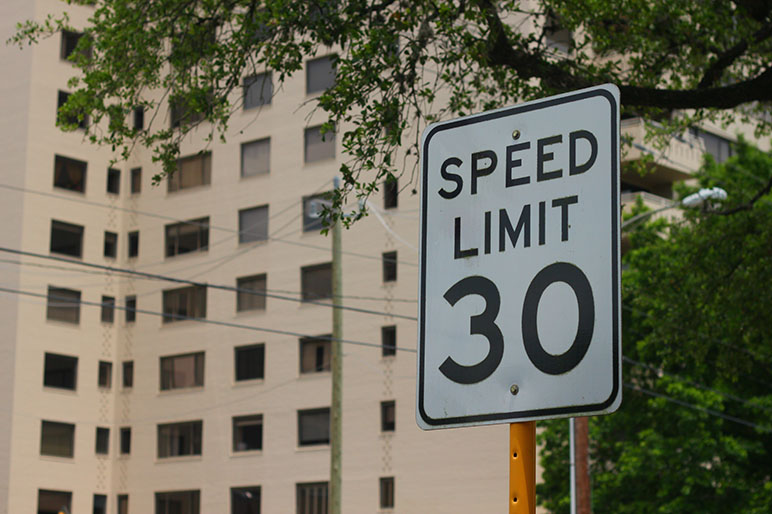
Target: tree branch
column 726, row 59
column 748, row 205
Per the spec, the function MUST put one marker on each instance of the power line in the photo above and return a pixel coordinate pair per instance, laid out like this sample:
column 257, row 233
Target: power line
column 697, row 407
column 178, row 317
column 155, row 276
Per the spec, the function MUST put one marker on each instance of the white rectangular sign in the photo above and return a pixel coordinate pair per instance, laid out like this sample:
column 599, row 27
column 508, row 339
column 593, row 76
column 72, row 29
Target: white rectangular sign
column 519, row 300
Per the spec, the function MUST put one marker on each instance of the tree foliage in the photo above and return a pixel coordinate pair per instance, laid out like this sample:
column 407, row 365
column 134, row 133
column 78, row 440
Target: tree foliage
column 694, row 433
column 403, row 63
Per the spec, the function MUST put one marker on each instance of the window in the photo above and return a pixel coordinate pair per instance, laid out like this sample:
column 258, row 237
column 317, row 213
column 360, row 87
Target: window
column 133, row 244
column 314, row 427
column 312, row 208
column 60, row 371
column 320, row 74
column 248, row 433
column 111, row 245
column 256, row 157
column 718, row 147
column 388, row 414
column 181, row 371
column 63, row 305
column 105, row 374
column 318, row 146
column 389, row 340
column 100, row 504
column 245, row 500
column 69, row 119
column 66, row 238
column 57, row 439
column 102, row 440
column 178, row 502
column 69, row 174
column 53, row 502
column 108, row 309
column 253, row 224
column 179, row 439
column 128, row 374
column 125, row 440
column 69, row 43
column 123, row 504
column 258, row 90
column 390, row 194
column 113, row 181
column 186, row 237
column 131, row 309
column 246, row 301
column 315, row 354
column 312, row 498
column 316, row 281
column 136, row 180
column 387, row 492
column 138, row 115
column 389, row 266
column 183, row 303
column 250, row 362
column 191, row 171
column 182, row 113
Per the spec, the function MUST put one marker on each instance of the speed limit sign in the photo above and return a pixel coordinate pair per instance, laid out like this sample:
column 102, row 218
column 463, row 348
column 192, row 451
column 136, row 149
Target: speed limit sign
column 519, row 300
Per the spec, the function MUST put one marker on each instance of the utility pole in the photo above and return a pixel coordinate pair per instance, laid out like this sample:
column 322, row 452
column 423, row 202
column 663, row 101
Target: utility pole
column 336, row 410
column 582, row 443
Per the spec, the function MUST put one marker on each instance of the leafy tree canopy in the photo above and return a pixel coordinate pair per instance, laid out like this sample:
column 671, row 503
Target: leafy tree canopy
column 694, row 432
column 402, row 63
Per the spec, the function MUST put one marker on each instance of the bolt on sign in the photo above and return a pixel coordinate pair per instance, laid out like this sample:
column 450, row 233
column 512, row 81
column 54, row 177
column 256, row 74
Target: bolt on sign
column 519, row 295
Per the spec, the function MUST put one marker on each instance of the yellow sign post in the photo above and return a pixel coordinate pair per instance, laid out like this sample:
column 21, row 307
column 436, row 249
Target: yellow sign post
column 522, row 468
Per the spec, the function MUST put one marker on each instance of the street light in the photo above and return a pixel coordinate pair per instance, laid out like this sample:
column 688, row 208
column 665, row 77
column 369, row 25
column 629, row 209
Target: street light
column 693, row 200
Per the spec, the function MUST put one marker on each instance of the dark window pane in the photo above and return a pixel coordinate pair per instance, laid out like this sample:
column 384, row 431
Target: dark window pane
column 312, row 498
column 248, row 433
column 102, row 440
column 131, row 306
column 70, row 119
column 123, row 504
column 54, row 502
column 316, row 281
column 136, row 180
column 105, row 374
column 245, row 500
column 184, row 303
column 178, row 439
column 186, row 237
column 315, row 354
column 178, row 502
column 100, row 504
column 387, row 492
column 60, row 371
column 113, row 181
column 253, row 224
column 133, row 244
column 108, row 309
column 181, row 371
column 139, row 117
column 63, row 305
column 389, row 340
column 388, row 414
column 313, row 427
column 320, row 74
column 66, row 238
column 390, row 194
column 69, row 43
column 128, row 374
column 258, row 90
column 246, row 301
column 111, row 245
column 389, row 266
column 125, row 440
column 57, row 439
column 69, row 174
column 250, row 362
column 312, row 210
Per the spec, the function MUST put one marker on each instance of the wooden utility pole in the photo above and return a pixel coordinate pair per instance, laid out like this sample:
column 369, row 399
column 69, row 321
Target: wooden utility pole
column 336, row 364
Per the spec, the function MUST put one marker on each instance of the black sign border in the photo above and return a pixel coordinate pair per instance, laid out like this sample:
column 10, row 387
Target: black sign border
column 514, row 416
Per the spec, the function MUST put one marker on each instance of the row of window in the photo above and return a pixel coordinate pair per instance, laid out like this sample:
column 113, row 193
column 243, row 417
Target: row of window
column 187, row 370
column 181, row 439
column 311, row 498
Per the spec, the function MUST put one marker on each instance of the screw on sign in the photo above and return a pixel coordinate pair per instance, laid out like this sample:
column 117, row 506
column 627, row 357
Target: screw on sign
column 519, row 292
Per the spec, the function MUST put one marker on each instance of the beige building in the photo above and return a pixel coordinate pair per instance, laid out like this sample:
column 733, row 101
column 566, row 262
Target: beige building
column 113, row 404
